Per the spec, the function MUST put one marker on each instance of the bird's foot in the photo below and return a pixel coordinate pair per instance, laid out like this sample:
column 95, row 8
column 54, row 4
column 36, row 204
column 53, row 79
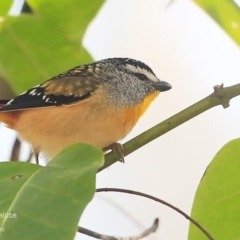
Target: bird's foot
column 117, row 149
column 36, row 154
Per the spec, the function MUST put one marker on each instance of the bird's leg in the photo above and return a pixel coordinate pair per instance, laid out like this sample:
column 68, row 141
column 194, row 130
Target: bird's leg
column 36, row 154
column 117, row 149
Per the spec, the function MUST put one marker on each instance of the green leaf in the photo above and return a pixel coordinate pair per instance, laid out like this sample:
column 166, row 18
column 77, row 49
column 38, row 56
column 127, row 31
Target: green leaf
column 226, row 13
column 5, row 6
column 48, row 201
column 35, row 47
column 217, row 201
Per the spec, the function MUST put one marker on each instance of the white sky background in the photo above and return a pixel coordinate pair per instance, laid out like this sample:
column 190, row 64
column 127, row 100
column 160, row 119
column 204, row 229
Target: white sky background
column 186, row 48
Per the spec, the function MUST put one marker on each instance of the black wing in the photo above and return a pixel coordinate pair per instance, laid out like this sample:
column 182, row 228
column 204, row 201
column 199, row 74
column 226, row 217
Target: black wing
column 65, row 89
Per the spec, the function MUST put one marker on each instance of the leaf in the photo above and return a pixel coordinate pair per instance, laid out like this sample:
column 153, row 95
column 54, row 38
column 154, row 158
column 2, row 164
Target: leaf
column 48, row 201
column 226, row 13
column 35, row 47
column 5, row 6
column 217, row 201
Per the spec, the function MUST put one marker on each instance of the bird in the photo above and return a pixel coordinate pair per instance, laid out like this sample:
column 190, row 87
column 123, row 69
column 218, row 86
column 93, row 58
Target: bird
column 97, row 103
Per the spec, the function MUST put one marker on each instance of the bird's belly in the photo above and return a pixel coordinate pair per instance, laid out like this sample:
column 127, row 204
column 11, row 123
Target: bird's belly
column 97, row 127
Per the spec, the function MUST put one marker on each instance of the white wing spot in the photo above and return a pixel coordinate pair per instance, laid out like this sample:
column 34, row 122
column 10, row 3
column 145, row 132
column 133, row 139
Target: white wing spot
column 47, row 100
column 33, row 92
column 9, row 103
column 44, row 96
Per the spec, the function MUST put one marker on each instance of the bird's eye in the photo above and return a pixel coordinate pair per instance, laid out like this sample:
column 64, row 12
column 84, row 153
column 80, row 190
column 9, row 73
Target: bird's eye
column 142, row 77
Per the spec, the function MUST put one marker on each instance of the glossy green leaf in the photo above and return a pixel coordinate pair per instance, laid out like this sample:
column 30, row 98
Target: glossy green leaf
column 217, row 201
column 226, row 13
column 5, row 7
column 48, row 201
column 35, row 47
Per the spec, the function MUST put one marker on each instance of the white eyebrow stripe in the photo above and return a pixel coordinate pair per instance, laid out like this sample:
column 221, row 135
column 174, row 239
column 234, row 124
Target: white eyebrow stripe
column 143, row 71
column 148, row 74
column 132, row 68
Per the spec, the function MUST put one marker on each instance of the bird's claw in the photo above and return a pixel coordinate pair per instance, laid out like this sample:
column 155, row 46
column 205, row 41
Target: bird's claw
column 118, row 150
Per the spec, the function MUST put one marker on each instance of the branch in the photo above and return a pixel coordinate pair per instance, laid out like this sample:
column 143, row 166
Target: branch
column 220, row 96
column 90, row 233
column 160, row 201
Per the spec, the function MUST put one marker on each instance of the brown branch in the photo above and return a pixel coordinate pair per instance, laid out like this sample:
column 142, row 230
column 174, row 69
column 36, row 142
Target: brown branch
column 221, row 96
column 148, row 231
column 160, row 201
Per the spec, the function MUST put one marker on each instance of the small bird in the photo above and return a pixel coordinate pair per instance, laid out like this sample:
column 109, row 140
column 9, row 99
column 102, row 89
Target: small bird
column 97, row 103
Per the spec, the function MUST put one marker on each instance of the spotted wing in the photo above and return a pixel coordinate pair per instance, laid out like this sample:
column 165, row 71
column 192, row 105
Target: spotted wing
column 65, row 89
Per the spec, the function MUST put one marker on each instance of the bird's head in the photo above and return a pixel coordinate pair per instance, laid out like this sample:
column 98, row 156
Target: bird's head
column 127, row 81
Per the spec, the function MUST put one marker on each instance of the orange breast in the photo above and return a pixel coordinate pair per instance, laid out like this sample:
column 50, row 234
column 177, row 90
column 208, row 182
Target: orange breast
column 133, row 114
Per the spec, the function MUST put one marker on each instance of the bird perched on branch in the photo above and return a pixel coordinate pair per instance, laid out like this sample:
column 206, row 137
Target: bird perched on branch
column 97, row 103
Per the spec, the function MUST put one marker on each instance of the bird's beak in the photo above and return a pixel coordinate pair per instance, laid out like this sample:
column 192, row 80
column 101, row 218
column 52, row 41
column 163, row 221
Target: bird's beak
column 162, row 86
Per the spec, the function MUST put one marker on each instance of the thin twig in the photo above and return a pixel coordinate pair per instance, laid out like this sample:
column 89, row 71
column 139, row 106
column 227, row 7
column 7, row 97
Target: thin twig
column 148, row 231
column 160, row 201
column 221, row 96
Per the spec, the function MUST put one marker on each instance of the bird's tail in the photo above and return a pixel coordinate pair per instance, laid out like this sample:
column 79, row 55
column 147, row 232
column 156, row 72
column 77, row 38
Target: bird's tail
column 6, row 117
column 3, row 103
